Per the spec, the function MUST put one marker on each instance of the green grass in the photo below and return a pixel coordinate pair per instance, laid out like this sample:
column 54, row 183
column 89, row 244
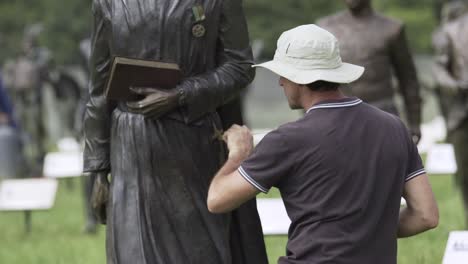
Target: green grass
column 57, row 236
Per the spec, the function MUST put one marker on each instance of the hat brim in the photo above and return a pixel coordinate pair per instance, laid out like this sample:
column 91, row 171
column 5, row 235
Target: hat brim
column 346, row 73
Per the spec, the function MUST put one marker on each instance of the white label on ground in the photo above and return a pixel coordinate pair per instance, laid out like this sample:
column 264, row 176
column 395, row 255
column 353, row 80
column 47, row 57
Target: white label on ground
column 441, row 159
column 27, row 194
column 63, row 164
column 457, row 248
column 275, row 220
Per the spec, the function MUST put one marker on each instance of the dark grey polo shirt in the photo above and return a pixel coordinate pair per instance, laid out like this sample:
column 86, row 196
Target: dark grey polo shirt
column 340, row 170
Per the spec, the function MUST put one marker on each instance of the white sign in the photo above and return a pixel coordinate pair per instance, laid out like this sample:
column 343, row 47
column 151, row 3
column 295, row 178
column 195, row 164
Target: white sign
column 259, row 134
column 275, row 220
column 457, row 248
column 63, row 164
column 27, row 194
column 441, row 160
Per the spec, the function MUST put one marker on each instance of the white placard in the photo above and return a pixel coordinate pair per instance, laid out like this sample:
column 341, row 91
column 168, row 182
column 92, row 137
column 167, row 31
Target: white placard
column 441, row 160
column 456, row 251
column 27, row 194
column 275, row 220
column 259, row 134
column 63, row 164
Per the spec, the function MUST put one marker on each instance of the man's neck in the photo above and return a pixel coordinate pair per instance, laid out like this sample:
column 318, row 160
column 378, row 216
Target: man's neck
column 362, row 12
column 314, row 98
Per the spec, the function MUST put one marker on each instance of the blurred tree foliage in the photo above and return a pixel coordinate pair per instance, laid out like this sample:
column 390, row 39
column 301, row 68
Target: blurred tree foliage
column 268, row 18
column 68, row 21
column 65, row 23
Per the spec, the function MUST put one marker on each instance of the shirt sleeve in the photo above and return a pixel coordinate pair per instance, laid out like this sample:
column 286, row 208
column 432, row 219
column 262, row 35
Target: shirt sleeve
column 415, row 164
column 269, row 163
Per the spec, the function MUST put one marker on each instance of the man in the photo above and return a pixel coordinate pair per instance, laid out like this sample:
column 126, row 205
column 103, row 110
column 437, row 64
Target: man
column 379, row 44
column 163, row 151
column 341, row 169
column 451, row 73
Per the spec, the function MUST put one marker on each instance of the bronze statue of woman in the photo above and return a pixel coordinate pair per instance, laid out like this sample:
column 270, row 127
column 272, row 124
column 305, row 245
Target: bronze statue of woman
column 161, row 152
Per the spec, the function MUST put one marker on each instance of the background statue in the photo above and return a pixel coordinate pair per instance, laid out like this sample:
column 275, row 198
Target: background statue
column 449, row 12
column 379, row 44
column 451, row 73
column 163, row 151
column 24, row 77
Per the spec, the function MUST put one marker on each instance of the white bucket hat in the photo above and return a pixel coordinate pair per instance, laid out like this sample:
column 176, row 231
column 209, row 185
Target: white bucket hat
column 307, row 54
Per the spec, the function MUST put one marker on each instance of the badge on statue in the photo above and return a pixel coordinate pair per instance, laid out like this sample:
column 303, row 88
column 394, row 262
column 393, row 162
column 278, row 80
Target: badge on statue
column 198, row 29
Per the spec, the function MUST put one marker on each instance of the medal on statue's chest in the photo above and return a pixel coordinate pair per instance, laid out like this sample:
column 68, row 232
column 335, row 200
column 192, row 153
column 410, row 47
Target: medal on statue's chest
column 198, row 29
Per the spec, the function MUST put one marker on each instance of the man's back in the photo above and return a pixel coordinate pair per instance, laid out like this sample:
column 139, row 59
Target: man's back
column 343, row 169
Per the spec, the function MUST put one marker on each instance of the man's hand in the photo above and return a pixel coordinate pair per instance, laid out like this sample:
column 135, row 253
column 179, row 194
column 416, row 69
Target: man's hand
column 100, row 196
column 239, row 141
column 157, row 102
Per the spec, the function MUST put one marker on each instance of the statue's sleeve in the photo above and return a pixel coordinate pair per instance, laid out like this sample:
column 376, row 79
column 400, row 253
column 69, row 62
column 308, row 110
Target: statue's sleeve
column 98, row 109
column 405, row 72
column 442, row 47
column 206, row 92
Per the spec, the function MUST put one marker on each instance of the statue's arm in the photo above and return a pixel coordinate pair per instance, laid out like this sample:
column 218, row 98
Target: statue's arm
column 98, row 108
column 405, row 72
column 204, row 93
column 442, row 47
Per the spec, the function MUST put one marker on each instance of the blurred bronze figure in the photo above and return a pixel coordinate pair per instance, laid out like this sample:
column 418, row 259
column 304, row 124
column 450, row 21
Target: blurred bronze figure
column 162, row 151
column 448, row 13
column 379, row 44
column 451, row 73
column 24, row 78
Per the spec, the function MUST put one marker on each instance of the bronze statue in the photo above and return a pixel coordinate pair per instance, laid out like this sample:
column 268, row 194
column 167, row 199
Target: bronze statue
column 379, row 44
column 450, row 11
column 451, row 74
column 161, row 152
column 24, row 78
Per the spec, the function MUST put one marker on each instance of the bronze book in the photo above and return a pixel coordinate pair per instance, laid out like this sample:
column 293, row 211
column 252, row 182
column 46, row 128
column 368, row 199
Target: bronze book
column 127, row 72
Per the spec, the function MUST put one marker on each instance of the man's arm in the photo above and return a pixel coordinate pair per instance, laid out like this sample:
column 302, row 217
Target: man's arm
column 229, row 189
column 421, row 212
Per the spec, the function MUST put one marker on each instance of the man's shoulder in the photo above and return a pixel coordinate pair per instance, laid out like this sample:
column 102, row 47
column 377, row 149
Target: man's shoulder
column 291, row 132
column 383, row 117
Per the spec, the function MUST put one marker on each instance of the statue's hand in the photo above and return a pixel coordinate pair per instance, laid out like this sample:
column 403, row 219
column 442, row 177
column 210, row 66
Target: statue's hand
column 157, row 102
column 416, row 134
column 100, row 196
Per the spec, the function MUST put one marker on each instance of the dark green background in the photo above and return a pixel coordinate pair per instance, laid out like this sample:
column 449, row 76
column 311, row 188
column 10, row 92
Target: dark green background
column 66, row 22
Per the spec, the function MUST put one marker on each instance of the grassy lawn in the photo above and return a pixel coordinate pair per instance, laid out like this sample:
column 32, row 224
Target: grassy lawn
column 57, row 236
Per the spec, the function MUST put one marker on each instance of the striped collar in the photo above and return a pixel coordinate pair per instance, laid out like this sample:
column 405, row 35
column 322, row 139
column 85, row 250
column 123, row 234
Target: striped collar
column 347, row 102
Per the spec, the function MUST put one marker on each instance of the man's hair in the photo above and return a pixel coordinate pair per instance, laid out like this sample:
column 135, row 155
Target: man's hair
column 323, row 86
